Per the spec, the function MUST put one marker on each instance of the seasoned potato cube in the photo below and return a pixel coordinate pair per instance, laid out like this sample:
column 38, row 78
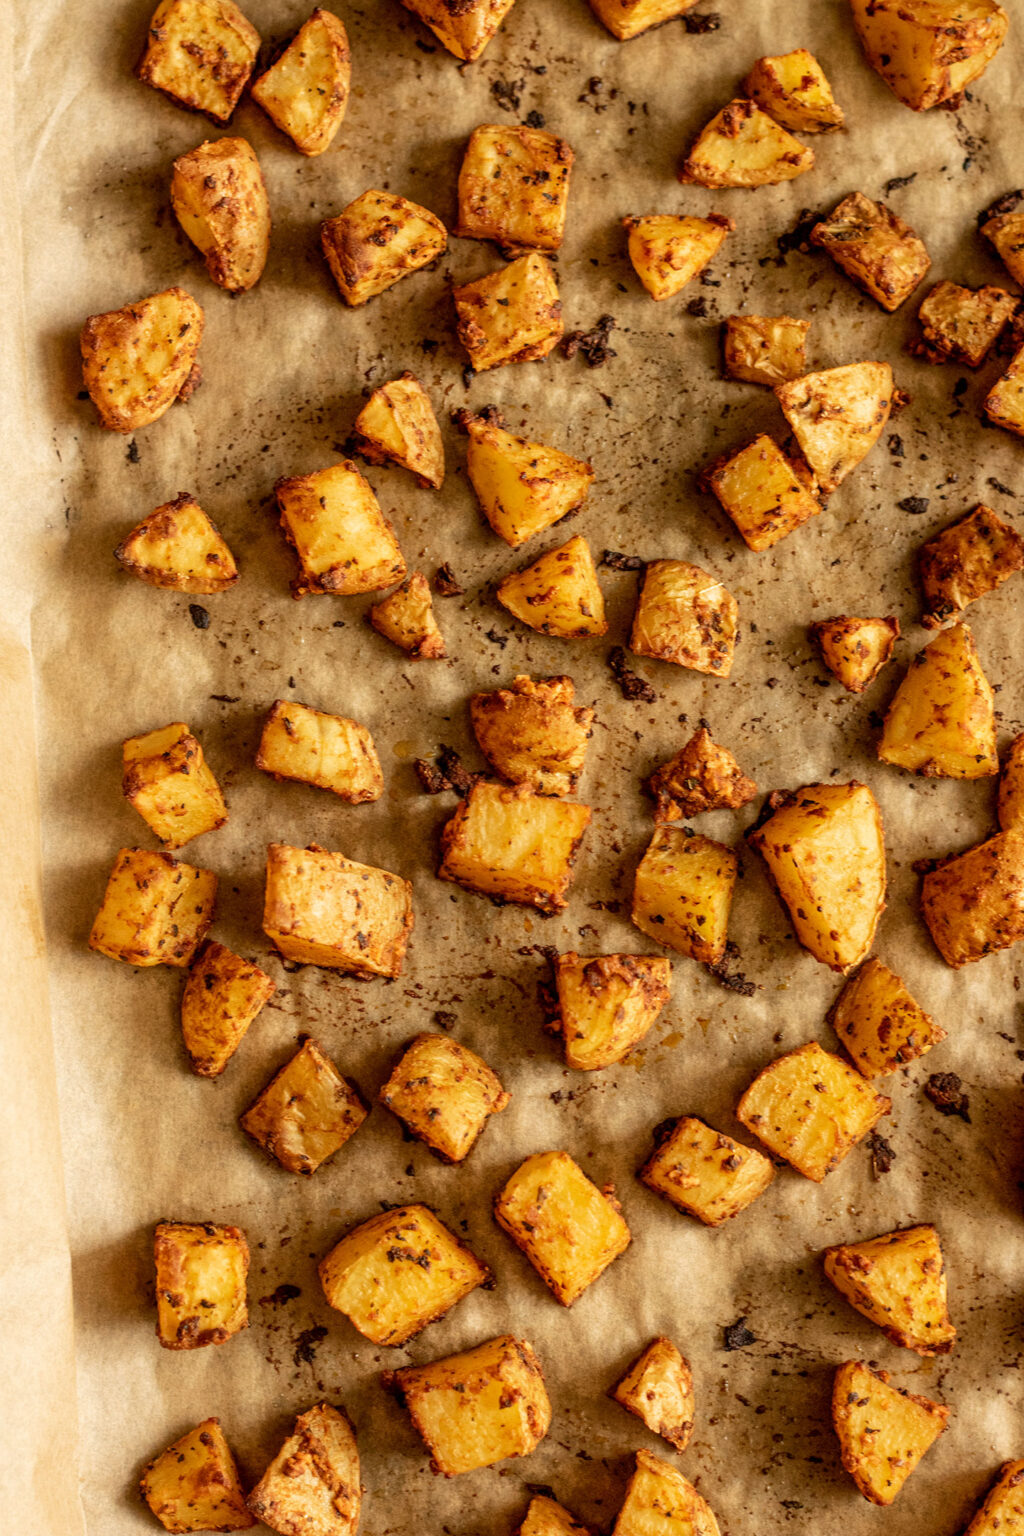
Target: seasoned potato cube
column 899, row 1282
column 479, row 1407
column 138, row 360
column 883, row 1431
column 838, row 416
column 929, row 51
column 1004, row 403
column 306, row 1112
column 875, row 248
column 568, row 1228
column 765, row 492
column 962, row 325
column 809, row 1108
column 514, row 187
column 532, row 733
column 324, row 909
column 855, row 650
column 444, row 1094
column 660, row 1499
column 704, row 1172
column 1002, row 1513
column 545, row 1517
column 377, row 240
column 406, row 618
column 685, row 616
column 194, row 1485
column 200, row 53
column 683, row 891
column 509, row 842
column 220, row 199
column 792, row 88
column 702, row 777
column 743, row 147
column 223, row 995
column 201, row 1272
column 326, row 751
column 658, row 1388
column 155, row 910
column 765, row 349
column 607, row 1004
column 511, row 316
column 974, row 902
column 464, row 29
column 1005, row 232
column 1011, row 786
column 627, row 18
column 559, row 594
column 312, row 1487
column 177, row 547
column 966, row 560
column 305, row 90
column 171, row 785
column 879, row 1023
column 343, row 540
column 398, row 423
column 522, row 487
column 668, row 250
column 941, row 722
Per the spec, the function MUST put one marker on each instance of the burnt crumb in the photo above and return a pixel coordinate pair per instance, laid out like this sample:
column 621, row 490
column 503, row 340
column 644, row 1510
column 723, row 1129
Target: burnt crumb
column 428, row 344
column 631, row 686
column 496, row 638
column 132, row 452
column 431, row 778
column 307, row 1343
column 1008, row 203
column 278, row 1298
column 605, row 906
column 226, row 698
column 733, row 981
column 593, row 345
column 468, row 375
column 701, row 22
column 894, row 443
column 791, row 1504
column 490, row 414
column 945, row 1091
column 535, row 120
column 617, row 562
column 738, row 1335
column 446, row 583
column 425, row 47
column 446, row 772
column 796, row 239
column 895, row 182
column 882, row 1154
column 960, row 388
column 200, row 617
column 444, row 1019
column 997, row 485
column 698, row 308
column 914, row 505
column 506, row 93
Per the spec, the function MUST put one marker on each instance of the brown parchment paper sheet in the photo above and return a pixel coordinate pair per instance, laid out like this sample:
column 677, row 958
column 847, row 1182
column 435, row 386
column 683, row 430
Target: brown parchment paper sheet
column 285, row 371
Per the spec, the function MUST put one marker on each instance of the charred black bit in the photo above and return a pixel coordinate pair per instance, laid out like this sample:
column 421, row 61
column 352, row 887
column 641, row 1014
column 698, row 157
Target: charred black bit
column 630, row 685
column 945, row 1090
column 734, row 981
column 506, row 93
column 796, row 239
column 446, row 772
column 698, row 307
column 430, row 777
column 307, row 1342
column 1005, row 204
column 899, row 181
column 534, row 120
column 593, row 345
column 496, row 638
column 883, row 1154
column 701, row 22
column 278, row 1298
column 914, row 505
column 200, row 617
column 895, row 445
column 738, row 1335
column 617, row 562
column 446, row 583
column 444, row 1019
column 997, row 485
column 132, row 452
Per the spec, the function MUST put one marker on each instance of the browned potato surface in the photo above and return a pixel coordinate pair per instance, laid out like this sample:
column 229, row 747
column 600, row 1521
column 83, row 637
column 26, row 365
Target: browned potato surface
column 973, row 903
column 200, row 53
column 792, row 88
column 568, row 1228
column 704, row 1172
column 899, row 1282
column 658, row 1388
column 306, row 1112
column 811, row 1109
column 406, row 618
column 765, row 491
column 223, row 995
column 155, row 910
column 138, row 360
column 1011, row 786
column 743, row 147
column 1002, row 1512
column 765, row 349
column 178, row 547
column 324, row 909
column 533, row 733
column 194, row 1485
column 220, row 199
column 627, row 18
column 929, row 51
column 838, row 416
column 465, row 29
column 941, row 722
column 559, row 594
column 545, row 1517
column 607, row 1004
column 883, row 1431
column 312, row 1487
column 962, row 325
column 855, row 650
column 444, row 1095
column 703, row 776
column 669, row 250
column 335, row 524
column 377, row 240
column 169, row 782
column 965, row 561
column 305, row 90
column 201, row 1274
column 514, row 187
column 523, row 487
column 875, row 248
column 683, row 891
column 879, row 1023
column 686, row 616
column 511, row 316
column 1004, row 403
column 507, row 841
column 327, row 751
column 660, row 1500
column 397, row 423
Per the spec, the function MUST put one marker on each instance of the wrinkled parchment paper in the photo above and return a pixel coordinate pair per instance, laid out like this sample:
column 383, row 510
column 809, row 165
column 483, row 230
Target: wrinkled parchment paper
column 84, row 183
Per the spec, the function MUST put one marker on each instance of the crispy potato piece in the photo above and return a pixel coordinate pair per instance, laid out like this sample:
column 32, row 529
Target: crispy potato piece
column 479, row 1407
column 766, row 492
column 201, row 1273
column 178, row 547
column 545, row 1517
column 743, row 147
column 883, row 1431
column 511, row 316
column 377, row 240
column 1011, row 786
column 899, row 1282
column 792, row 88
column 324, row 909
column 875, row 248
column 765, row 349
column 305, row 90
column 1005, row 233
column 335, row 524
column 444, row 1094
column 969, row 558
column 669, row 250
column 809, row 1108
column 838, row 416
column 660, row 1499
column 509, row 842
column 223, row 995
column 568, row 1228
column 855, row 650
column 194, row 1485
column 169, row 782
column 138, row 360
column 406, row 618
column 607, row 1004
column 1004, row 403
column 306, row 1112
column 532, row 733
column 627, row 18
column 929, row 51
column 464, row 29
column 522, row 487
column 398, row 423
column 658, row 1388
column 559, row 594
column 685, row 616
column 514, row 187
column 941, row 722
column 200, row 53
column 155, row 910
column 220, row 200
column 703, row 776
column 1002, row 1513
column 312, row 1487
column 683, row 891
column 962, row 325
column 880, row 1024
column 704, row 1172
column 326, row 751
column 974, row 902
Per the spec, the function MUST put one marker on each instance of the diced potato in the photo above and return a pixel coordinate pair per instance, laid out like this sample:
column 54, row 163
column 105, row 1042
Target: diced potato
column 305, row 90
column 398, row 423
column 962, row 325
column 743, row 147
column 929, row 51
column 792, row 88
column 825, row 853
column 683, row 891
column 659, row 1499
column 138, row 360
column 155, row 910
column 444, row 1094
column 178, row 547
column 312, row 1487
column 532, row 733
column 607, row 1004
column 1011, row 786
column 464, row 29
column 194, row 1485
column 875, row 248
column 514, row 187
column 200, row 53
column 883, row 1431
column 702, row 777
column 880, row 1024
column 568, row 1228
column 1005, row 233
column 223, row 995
column 941, row 722
column 1002, row 1513
column 201, row 1272
column 343, row 540
column 685, row 616
column 765, row 491
column 1004, row 403
column 809, row 1108
column 704, row 1172
column 324, row 909
column 765, row 349
column 855, row 650
column 511, row 316
column 169, row 782
column 974, row 902
column 509, row 842
column 559, row 594
column 326, row 751
column 306, row 1112
column 522, row 487
column 377, row 240
column 406, row 618
column 899, row 1282
column 479, row 1407
column 658, row 1388
column 966, row 560
column 220, row 199
column 838, row 416
column 545, row 1517
column 627, row 18
column 668, row 250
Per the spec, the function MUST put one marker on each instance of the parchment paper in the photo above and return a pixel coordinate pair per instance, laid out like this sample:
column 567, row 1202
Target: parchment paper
column 285, row 369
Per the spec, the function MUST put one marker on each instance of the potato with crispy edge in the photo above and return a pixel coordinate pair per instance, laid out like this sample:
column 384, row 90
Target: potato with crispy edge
column 1002, row 1511
column 305, row 90
column 838, row 416
column 973, row 903
column 607, row 1004
column 406, row 618
column 971, row 557
column 397, row 423
column 1011, row 786
column 1004, row 403
column 223, row 995
column 703, row 776
column 533, row 733
column 658, row 1388
column 171, row 785
column 177, row 547
column 764, row 349
column 568, row 1228
column 685, row 616
column 546, row 1517
column 962, row 325
column 767, row 492
column 941, row 722
column 306, row 1112
column 344, row 542
column 743, row 147
column 875, row 248
column 660, row 1499
column 880, row 1025
column 138, row 360
column 155, row 911
column 792, row 88
column 312, row 1487
column 810, row 1108
column 523, row 487
column 507, row 841
column 669, row 250
column 510, row 316
column 324, row 909
column 855, row 650
column 514, row 187
column 929, row 51
column 378, row 239
column 464, row 29
column 194, row 1485
column 627, row 18
column 704, row 1172
column 559, row 594
column 444, row 1094
column 201, row 1271
column 220, row 200
column 683, row 891
column 897, row 1281
column 883, row 1431
column 200, row 53
column 326, row 751
column 1003, row 227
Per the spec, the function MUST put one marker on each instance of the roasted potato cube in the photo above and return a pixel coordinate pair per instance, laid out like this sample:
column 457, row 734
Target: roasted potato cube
column 966, row 560
column 200, row 53
column 464, row 29
column 658, row 1388
column 1002, row 1513
column 1004, row 403
column 532, row 733
column 765, row 349
column 627, row 18
column 883, row 1430
column 1005, row 233
column 522, row 487
column 169, row 782
column 559, row 594
column 660, row 1499
column 138, row 360
column 685, row 616
column 838, row 416
column 444, row 1094
column 791, row 88
column 511, row 316
column 879, row 1023
column 312, row 1487
column 899, row 1282
column 1011, row 786
column 765, row 492
column 223, row 995
column 305, row 90
column 514, row 187
column 194, row 1485
column 398, row 423
column 702, row 777
column 509, row 842
column 324, row 909
column 941, row 722
column 406, row 618
column 545, row 1517
column 929, row 51
column 479, row 1407
column 343, row 540
column 974, row 902
column 306, row 1112
column 568, row 1228
column 855, row 650
column 875, row 248
column 326, row 751
column 607, row 1004
column 683, row 891
column 201, row 1272
column 809, row 1108
column 668, row 250
column 962, row 325
column 155, row 910
column 825, row 853
column 220, row 200
column 704, row 1172
column 377, row 240
column 743, row 147
column 178, row 547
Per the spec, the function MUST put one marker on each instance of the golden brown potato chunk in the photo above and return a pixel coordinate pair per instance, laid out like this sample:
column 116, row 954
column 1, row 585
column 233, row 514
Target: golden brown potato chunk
column 966, row 560
column 660, row 1499
column 792, row 88
column 324, row 909
column 883, row 1431
column 312, row 1487
column 514, row 187
column 326, row 751
column 305, row 90
column 138, row 360
column 1005, row 232
column 704, row 1172
column 397, row 423
column 1002, row 1513
column 1011, row 786
column 765, row 349
column 444, row 1094
column 223, row 995
column 855, row 650
column 406, row 618
column 200, row 53
column 627, row 18
column 962, row 325
column 668, row 250
column 899, row 1282
column 522, row 487
column 875, row 248
column 559, row 594
column 155, row 910
column 879, row 1023
column 306, row 1112
column 838, row 416
column 533, row 733
column 511, row 316
column 178, row 547
column 464, row 29
column 658, row 1388
column 607, row 1004
column 568, row 1228
column 941, row 722
column 702, row 777
column 683, row 891
column 545, row 1517
column 220, row 199
column 377, row 240
column 335, row 524
column 1004, row 403
column 194, row 1485
column 809, row 1108
column 509, row 842
column 201, row 1272
column 743, row 147
column 929, row 51
column 685, row 616
column 169, row 782
column 765, row 491
column 974, row 902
